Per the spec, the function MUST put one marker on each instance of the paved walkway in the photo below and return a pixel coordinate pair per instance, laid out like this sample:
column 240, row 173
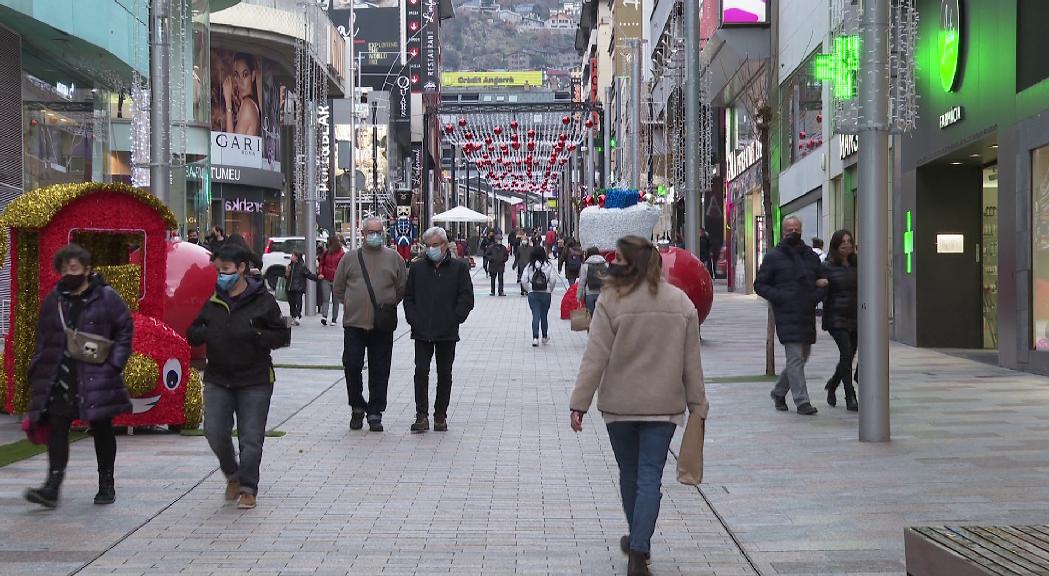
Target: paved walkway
column 510, row 489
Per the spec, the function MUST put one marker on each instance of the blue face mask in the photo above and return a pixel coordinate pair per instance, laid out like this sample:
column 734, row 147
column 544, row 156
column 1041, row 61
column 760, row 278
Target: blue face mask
column 435, row 253
column 374, row 240
column 227, row 281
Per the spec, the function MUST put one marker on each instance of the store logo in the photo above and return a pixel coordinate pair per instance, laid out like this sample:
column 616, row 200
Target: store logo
column 848, row 144
column 323, row 125
column 949, row 43
column 951, row 117
column 744, row 158
column 404, row 84
column 242, row 205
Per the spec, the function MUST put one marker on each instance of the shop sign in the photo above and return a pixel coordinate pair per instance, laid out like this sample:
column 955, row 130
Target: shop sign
column 430, row 75
column 949, row 43
column 848, row 144
column 951, row 117
column 743, row 159
column 403, row 99
column 413, row 43
column 950, row 243
column 520, row 79
column 242, row 205
column 323, row 122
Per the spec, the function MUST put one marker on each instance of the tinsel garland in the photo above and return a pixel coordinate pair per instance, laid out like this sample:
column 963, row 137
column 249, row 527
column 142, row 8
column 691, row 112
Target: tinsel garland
column 194, row 404
column 160, row 345
column 126, row 280
column 141, row 374
column 26, row 315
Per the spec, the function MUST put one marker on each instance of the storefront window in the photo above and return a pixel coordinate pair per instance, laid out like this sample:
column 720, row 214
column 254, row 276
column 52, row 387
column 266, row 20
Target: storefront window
column 1040, row 248
column 802, row 109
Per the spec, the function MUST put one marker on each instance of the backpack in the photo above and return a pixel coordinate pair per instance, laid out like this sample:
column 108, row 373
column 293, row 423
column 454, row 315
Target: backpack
column 540, row 282
column 574, row 260
column 594, row 276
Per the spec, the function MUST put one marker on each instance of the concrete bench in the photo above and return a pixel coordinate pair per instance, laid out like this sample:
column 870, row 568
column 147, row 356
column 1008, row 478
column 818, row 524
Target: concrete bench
column 977, row 550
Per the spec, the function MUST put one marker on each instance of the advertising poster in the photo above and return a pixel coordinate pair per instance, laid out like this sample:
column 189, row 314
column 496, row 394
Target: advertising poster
column 744, row 11
column 376, row 33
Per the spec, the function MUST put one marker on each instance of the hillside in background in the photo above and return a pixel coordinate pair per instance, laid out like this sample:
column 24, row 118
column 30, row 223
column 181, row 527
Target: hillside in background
column 480, row 40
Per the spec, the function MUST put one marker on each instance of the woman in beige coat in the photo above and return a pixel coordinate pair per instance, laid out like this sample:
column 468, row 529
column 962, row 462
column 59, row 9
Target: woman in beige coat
column 643, row 355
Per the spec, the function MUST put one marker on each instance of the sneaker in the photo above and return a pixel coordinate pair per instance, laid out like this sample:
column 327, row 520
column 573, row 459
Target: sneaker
column 232, row 490
column 535, row 342
column 324, row 321
column 440, row 423
column 375, row 423
column 334, row 321
column 422, row 424
column 246, row 502
column 357, row 419
column 807, row 409
column 502, row 294
column 546, row 339
column 780, row 402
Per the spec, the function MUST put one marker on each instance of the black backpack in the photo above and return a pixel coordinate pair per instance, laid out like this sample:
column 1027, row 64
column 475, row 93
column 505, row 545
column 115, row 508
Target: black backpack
column 540, row 282
column 595, row 274
column 574, row 261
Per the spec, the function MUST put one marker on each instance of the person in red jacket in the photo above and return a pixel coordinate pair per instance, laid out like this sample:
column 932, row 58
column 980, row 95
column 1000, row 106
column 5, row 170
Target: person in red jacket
column 327, row 264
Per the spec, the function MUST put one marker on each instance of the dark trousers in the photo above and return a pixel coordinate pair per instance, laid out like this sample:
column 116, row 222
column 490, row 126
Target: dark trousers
column 497, row 274
column 379, row 346
column 295, row 303
column 251, row 407
column 846, row 341
column 58, row 445
column 424, row 353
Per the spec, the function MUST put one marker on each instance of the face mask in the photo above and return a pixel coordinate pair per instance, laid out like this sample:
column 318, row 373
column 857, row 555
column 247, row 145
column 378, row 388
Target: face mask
column 434, row 253
column 616, row 270
column 793, row 239
column 227, row 281
column 374, row 240
column 71, row 282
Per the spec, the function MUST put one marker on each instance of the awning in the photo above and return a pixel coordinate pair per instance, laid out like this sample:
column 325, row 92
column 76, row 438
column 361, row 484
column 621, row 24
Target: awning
column 461, row 214
column 732, row 58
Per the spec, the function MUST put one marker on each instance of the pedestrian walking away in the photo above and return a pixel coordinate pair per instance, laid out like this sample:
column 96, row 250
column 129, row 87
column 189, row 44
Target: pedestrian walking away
column 240, row 325
column 522, row 256
column 571, row 260
column 373, row 276
column 839, row 313
column 327, row 266
column 538, row 281
column 592, row 274
column 497, row 255
column 439, row 298
column 67, row 386
column 486, row 240
column 791, row 279
column 642, row 359
column 297, row 276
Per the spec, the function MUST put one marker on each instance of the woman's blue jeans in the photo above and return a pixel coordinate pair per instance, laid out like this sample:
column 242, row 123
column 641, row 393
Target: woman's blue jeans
column 641, row 452
column 539, row 302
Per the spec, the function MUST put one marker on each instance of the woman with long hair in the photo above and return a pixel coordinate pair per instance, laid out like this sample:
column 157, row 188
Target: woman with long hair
column 839, row 313
column 297, row 275
column 238, row 93
column 643, row 355
column 327, row 265
column 539, row 280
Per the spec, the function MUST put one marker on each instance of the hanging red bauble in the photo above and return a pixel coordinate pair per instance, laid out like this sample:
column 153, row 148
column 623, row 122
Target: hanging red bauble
column 566, row 120
column 469, row 135
column 514, row 137
column 601, row 200
column 497, row 130
column 462, row 122
column 819, row 118
column 531, row 133
column 571, row 147
column 513, row 124
column 516, row 145
column 589, row 123
column 448, row 128
column 531, row 146
column 491, row 147
column 488, row 140
column 803, row 134
column 562, row 136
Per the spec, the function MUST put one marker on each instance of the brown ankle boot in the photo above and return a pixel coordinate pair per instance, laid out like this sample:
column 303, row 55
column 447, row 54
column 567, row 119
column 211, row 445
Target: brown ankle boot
column 637, row 565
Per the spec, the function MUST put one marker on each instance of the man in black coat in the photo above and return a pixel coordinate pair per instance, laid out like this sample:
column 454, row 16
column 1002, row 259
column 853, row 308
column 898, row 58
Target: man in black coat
column 497, row 255
column 792, row 280
column 439, row 298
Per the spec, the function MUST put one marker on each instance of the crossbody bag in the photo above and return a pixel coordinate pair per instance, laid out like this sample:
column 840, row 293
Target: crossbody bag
column 85, row 346
column 385, row 314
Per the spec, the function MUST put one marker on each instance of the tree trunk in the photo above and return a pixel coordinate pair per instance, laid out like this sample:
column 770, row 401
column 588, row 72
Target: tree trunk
column 764, row 125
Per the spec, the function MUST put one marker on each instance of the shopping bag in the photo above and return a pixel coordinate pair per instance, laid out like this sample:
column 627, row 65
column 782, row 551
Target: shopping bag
column 282, row 289
column 690, row 457
column 580, row 319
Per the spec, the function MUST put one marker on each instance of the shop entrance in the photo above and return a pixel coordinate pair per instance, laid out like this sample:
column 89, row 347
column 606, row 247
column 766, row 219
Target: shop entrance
column 989, row 257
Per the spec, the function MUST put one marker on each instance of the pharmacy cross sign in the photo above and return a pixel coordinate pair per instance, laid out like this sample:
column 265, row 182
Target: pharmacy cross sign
column 908, row 243
column 839, row 67
column 948, row 43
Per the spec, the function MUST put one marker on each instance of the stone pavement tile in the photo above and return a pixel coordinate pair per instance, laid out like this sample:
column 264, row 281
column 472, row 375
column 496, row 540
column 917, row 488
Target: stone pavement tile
column 510, row 489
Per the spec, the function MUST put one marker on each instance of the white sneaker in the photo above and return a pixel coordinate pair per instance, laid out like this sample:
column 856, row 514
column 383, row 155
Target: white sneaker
column 546, row 340
column 535, row 342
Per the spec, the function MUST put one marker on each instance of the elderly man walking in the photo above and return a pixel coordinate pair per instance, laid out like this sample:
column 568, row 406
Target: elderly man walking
column 438, row 299
column 792, row 280
column 369, row 282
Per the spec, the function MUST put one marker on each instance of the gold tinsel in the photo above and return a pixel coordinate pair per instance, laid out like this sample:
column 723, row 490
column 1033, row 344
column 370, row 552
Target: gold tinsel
column 36, row 209
column 26, row 314
column 126, row 279
column 194, row 406
column 141, row 374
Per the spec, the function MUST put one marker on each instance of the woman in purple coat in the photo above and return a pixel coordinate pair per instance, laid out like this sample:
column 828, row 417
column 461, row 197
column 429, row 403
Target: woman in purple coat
column 64, row 389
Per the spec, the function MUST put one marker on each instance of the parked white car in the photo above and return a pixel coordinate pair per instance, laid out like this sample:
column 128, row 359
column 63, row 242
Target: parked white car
column 277, row 254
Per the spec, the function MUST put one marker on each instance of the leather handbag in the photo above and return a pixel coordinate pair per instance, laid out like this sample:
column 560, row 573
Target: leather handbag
column 385, row 314
column 85, row 346
column 580, row 318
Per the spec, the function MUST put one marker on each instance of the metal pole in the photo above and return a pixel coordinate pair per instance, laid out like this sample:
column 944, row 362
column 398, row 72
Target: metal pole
column 353, row 134
column 159, row 105
column 635, row 115
column 310, row 206
column 692, row 123
column 606, row 180
column 873, row 207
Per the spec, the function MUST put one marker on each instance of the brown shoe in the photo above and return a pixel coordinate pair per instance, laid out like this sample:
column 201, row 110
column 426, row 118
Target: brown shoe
column 422, row 424
column 232, row 490
column 440, row 423
column 637, row 565
column 246, row 502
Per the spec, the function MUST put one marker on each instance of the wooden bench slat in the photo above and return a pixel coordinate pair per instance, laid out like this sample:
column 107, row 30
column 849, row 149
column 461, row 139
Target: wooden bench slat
column 1034, row 537
column 1003, row 547
column 1034, row 550
column 951, row 542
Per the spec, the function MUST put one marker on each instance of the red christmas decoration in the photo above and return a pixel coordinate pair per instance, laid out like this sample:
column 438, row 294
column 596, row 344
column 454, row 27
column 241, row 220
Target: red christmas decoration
column 531, row 133
column 589, row 123
column 513, row 124
column 462, row 122
column 448, row 128
column 497, row 130
column 566, row 120
column 690, row 275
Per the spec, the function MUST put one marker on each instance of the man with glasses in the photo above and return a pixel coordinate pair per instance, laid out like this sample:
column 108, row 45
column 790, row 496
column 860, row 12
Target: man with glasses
column 373, row 269
column 438, row 299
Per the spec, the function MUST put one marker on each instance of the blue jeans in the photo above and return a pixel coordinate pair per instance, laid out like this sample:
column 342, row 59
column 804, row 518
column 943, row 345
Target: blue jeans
column 251, row 405
column 539, row 302
column 641, row 452
column 591, row 302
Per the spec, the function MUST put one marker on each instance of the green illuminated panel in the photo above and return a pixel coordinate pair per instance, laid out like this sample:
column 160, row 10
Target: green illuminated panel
column 839, row 67
column 908, row 242
column 947, row 45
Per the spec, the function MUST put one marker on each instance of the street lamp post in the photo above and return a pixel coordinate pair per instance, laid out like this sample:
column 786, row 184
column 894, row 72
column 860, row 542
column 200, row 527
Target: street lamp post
column 159, row 105
column 693, row 166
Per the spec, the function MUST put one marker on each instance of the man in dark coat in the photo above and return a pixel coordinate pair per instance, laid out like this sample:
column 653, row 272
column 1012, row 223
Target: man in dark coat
column 792, row 280
column 439, row 298
column 497, row 255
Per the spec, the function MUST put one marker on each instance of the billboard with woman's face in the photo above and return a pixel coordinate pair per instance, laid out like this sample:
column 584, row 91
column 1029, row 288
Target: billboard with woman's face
column 245, row 113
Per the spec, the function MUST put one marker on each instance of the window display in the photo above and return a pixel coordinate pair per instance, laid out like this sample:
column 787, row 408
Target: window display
column 1040, row 248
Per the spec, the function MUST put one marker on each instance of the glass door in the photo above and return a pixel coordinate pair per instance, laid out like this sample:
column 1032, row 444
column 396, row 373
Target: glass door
column 989, row 257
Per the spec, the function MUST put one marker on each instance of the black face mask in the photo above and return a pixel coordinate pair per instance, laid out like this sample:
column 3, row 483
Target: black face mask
column 793, row 239
column 71, row 282
column 616, row 270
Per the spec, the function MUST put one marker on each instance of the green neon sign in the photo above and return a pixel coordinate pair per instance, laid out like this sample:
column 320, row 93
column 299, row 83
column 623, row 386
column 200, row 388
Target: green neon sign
column 908, row 243
column 948, row 43
column 839, row 67
column 612, row 143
